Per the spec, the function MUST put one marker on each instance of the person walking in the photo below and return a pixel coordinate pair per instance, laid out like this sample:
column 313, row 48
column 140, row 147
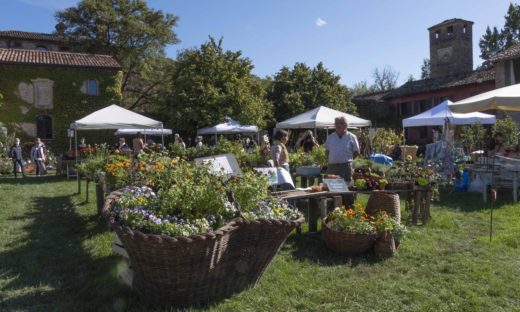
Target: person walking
column 16, row 156
column 38, row 157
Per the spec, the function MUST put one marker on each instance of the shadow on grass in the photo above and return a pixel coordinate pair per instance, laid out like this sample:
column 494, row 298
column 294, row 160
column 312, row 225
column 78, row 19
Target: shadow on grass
column 32, row 179
column 50, row 267
column 310, row 247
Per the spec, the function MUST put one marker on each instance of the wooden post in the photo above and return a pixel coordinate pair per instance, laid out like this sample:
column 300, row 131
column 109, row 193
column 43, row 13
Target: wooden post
column 417, row 205
column 313, row 215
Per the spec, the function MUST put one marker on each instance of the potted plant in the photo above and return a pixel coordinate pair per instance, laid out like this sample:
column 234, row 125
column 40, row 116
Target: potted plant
column 349, row 231
column 193, row 236
column 383, row 183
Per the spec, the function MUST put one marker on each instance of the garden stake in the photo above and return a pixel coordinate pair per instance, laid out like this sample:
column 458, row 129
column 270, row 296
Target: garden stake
column 493, row 200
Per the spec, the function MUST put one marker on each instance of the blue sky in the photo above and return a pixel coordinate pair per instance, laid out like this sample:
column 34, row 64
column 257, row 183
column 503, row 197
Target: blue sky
column 351, row 38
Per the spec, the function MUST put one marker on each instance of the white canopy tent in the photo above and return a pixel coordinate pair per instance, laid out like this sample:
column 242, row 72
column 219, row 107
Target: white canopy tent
column 113, row 117
column 321, row 117
column 507, row 98
column 151, row 132
column 229, row 127
column 437, row 115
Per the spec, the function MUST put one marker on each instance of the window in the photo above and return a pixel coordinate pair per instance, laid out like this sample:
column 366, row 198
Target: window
column 464, row 29
column 44, row 127
column 449, row 30
column 424, row 105
column 405, row 109
column 41, row 48
column 92, row 87
column 437, row 34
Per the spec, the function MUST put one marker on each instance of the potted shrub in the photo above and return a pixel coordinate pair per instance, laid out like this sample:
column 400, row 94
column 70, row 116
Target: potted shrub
column 189, row 239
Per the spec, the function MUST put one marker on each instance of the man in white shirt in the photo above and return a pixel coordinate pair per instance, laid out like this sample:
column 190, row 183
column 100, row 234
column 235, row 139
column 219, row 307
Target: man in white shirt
column 341, row 147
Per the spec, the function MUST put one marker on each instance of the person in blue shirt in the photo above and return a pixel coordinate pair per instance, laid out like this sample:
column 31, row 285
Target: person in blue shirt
column 16, row 156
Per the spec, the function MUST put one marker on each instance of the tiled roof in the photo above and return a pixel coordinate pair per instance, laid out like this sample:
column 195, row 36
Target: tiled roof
column 511, row 53
column 30, row 35
column 52, row 58
column 427, row 85
column 373, row 96
column 449, row 21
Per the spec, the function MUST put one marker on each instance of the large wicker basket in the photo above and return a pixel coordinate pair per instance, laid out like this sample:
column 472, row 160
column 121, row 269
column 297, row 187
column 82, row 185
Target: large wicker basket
column 183, row 271
column 347, row 243
column 384, row 201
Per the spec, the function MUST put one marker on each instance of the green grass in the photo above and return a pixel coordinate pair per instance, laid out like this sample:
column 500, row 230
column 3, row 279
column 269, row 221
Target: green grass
column 55, row 255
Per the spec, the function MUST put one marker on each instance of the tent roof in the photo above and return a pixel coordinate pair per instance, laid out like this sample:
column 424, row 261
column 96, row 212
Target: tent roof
column 321, row 117
column 157, row 132
column 228, row 127
column 507, row 98
column 115, row 117
column 436, row 116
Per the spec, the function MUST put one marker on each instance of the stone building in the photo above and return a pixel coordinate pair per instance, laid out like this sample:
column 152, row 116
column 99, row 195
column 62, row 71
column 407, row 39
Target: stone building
column 452, row 77
column 45, row 89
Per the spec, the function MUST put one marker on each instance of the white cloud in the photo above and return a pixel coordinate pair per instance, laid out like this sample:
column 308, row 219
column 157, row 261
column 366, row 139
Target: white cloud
column 320, row 22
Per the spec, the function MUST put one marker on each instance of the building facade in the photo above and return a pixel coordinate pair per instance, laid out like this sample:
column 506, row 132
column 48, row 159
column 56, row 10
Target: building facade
column 44, row 90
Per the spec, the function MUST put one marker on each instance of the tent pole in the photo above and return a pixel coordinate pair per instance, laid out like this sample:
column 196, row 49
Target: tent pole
column 162, row 136
column 76, row 154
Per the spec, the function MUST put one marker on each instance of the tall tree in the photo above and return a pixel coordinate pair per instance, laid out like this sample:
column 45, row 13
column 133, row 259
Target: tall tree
column 360, row 88
column 426, row 69
column 208, row 84
column 128, row 30
column 294, row 91
column 511, row 31
column 385, row 79
column 490, row 44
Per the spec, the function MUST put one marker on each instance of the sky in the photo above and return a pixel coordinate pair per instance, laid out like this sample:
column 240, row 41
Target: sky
column 351, row 38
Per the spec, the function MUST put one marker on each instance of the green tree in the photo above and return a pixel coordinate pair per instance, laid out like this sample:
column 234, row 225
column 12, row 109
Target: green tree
column 360, row 88
column 128, row 30
column 294, row 91
column 426, row 69
column 511, row 31
column 490, row 44
column 509, row 129
column 385, row 79
column 208, row 84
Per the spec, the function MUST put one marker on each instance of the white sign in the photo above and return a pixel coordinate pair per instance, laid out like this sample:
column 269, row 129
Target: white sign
column 221, row 164
column 277, row 176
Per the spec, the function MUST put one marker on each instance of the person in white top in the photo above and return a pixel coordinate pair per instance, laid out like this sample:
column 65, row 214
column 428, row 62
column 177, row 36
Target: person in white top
column 341, row 148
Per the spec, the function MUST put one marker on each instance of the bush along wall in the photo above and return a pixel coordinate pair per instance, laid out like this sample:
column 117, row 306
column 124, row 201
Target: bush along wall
column 69, row 102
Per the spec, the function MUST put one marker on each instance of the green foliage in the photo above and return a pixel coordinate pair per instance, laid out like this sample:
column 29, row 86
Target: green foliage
column 493, row 41
column 94, row 165
column 383, row 138
column 69, row 103
column 474, row 136
column 426, row 69
column 134, row 34
column 509, row 128
column 294, row 91
column 209, row 84
column 317, row 156
column 249, row 189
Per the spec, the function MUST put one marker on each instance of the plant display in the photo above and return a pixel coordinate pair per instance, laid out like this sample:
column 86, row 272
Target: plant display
column 365, row 179
column 93, row 166
column 355, row 220
column 352, row 220
column 178, row 198
column 384, row 138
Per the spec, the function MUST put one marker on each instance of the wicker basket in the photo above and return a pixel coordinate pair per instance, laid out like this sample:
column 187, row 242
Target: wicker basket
column 384, row 201
column 183, row 271
column 347, row 243
column 385, row 245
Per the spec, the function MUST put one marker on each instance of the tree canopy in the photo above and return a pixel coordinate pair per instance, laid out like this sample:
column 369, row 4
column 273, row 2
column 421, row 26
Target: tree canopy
column 294, row 91
column 208, row 84
column 128, row 30
column 494, row 41
column 385, row 79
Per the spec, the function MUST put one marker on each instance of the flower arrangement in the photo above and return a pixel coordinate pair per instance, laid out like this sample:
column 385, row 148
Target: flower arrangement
column 355, row 220
column 178, row 198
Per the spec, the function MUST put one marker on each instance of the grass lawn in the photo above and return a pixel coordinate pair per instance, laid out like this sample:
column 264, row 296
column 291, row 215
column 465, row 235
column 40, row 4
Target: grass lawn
column 55, row 255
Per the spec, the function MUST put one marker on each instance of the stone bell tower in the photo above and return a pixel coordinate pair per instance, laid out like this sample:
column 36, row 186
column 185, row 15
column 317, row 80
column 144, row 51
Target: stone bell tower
column 451, row 47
